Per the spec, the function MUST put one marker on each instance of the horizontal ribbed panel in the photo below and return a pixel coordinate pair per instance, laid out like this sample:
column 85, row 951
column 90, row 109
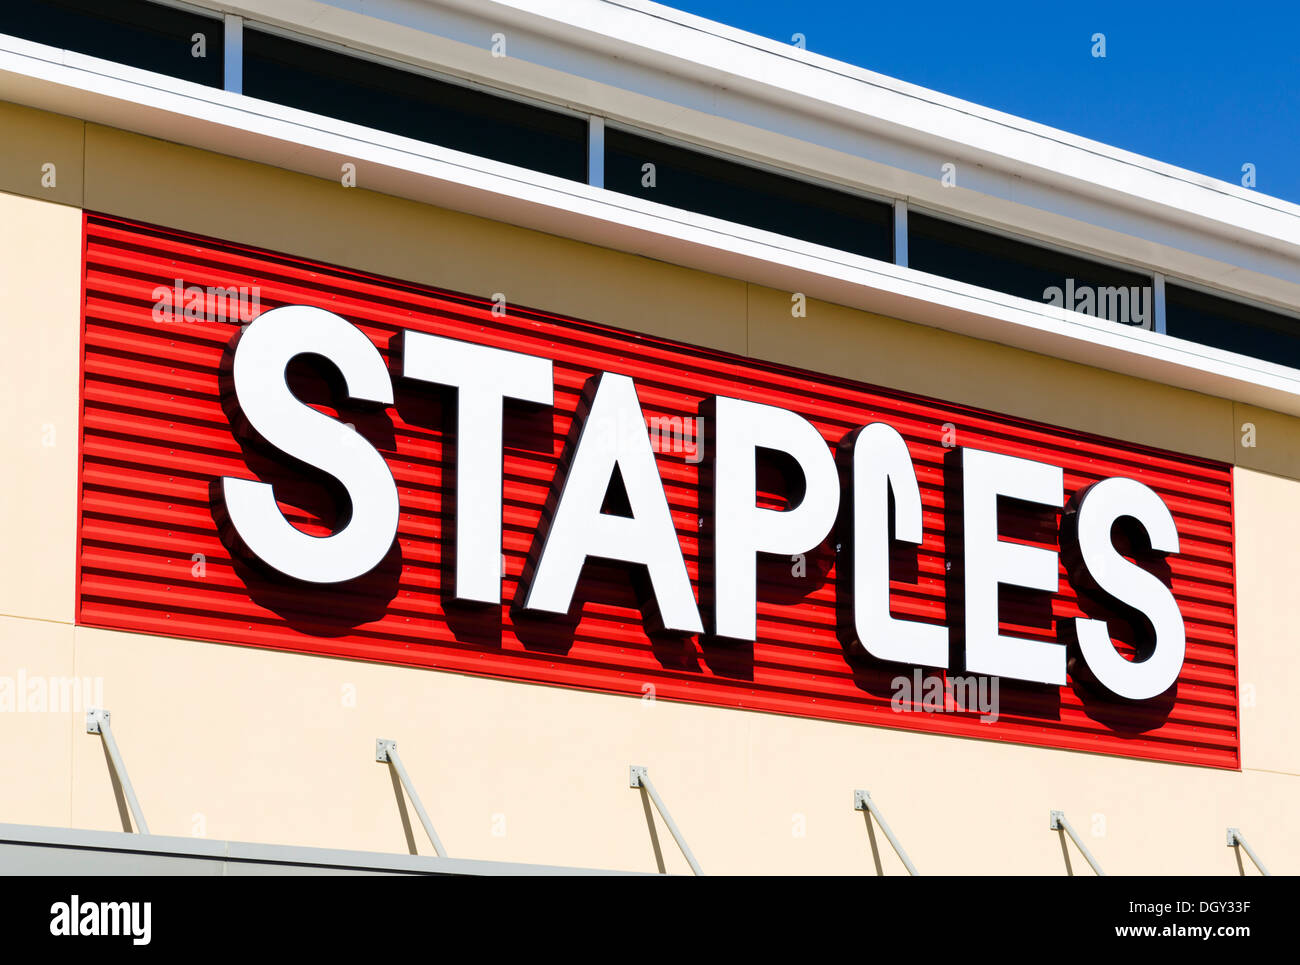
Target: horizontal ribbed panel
column 155, row 436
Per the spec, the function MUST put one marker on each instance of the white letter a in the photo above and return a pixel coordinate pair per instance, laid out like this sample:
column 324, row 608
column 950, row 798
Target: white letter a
column 613, row 437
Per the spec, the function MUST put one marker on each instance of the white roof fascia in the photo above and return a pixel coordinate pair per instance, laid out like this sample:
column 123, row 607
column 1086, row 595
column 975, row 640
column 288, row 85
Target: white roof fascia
column 650, row 66
column 134, row 100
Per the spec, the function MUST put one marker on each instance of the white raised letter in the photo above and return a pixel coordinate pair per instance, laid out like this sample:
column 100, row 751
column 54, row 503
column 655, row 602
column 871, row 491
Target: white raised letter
column 614, row 437
column 1099, row 506
column 881, row 464
column 484, row 378
column 741, row 529
column 990, row 562
column 263, row 352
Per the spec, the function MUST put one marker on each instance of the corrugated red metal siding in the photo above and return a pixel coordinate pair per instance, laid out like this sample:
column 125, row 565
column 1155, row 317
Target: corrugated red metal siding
column 155, row 436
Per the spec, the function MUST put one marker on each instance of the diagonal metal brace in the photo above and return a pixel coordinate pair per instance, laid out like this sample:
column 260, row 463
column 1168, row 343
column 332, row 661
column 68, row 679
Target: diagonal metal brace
column 99, row 721
column 639, row 777
column 862, row 802
column 386, row 753
column 1058, row 823
column 1236, row 840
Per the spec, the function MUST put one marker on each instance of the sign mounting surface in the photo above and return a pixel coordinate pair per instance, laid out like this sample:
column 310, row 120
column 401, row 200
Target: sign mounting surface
column 159, row 435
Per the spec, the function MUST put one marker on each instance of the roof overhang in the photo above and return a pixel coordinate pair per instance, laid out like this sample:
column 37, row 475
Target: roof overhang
column 647, row 65
column 232, row 124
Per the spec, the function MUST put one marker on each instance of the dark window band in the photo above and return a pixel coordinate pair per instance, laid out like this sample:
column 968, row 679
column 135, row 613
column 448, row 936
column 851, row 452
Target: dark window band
column 132, row 32
column 1232, row 326
column 737, row 192
column 412, row 105
column 1024, row 269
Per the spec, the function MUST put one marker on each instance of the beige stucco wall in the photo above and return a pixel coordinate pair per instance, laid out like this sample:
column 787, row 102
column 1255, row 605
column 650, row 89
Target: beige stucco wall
column 265, row 746
column 40, row 345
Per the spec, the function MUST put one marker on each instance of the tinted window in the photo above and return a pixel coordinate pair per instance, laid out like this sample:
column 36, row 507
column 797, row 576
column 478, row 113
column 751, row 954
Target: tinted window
column 738, row 192
column 413, row 105
column 1232, row 326
column 1020, row 268
column 132, row 32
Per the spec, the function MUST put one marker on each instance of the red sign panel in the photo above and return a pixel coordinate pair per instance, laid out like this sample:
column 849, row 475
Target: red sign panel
column 161, row 313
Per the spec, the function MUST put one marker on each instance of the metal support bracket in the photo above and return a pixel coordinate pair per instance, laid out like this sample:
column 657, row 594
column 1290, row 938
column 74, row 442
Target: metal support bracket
column 1059, row 823
column 386, row 753
column 1236, row 840
column 862, row 802
column 639, row 777
column 99, row 721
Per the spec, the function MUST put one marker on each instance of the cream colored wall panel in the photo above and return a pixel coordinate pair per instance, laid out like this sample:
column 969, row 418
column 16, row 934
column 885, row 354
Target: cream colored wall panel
column 914, row 358
column 138, row 177
column 40, row 344
column 42, row 154
column 1268, row 597
column 263, row 746
column 41, row 707
column 968, row 807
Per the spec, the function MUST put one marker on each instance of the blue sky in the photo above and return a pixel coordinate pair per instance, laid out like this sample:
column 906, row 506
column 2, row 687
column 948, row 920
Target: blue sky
column 1206, row 86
